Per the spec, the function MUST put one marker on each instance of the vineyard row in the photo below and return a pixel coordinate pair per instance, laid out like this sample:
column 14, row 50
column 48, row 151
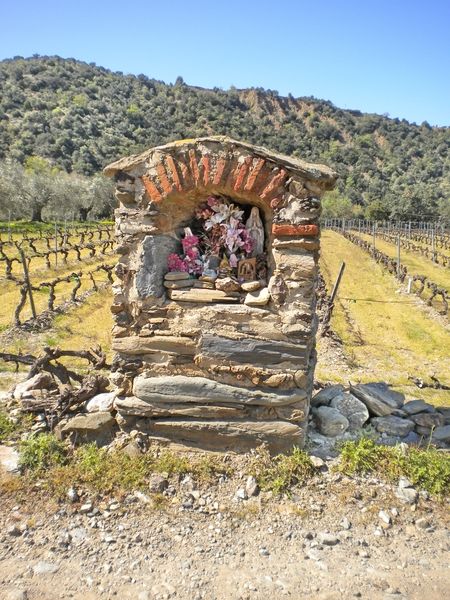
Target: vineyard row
column 76, row 278
column 9, row 261
column 418, row 284
column 437, row 237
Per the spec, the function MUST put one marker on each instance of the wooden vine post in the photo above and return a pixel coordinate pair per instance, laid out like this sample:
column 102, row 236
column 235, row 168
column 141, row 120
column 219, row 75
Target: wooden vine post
column 56, row 245
column 398, row 257
column 27, row 282
column 337, row 282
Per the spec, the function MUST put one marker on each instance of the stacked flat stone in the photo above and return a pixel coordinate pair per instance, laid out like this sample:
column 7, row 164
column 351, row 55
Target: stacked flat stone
column 195, row 365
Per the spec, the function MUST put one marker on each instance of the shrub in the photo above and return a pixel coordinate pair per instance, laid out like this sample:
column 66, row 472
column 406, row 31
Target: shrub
column 427, row 468
column 6, row 426
column 42, row 452
column 279, row 473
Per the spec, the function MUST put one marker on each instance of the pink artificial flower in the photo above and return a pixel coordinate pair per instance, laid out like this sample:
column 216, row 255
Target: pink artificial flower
column 189, row 241
column 175, row 263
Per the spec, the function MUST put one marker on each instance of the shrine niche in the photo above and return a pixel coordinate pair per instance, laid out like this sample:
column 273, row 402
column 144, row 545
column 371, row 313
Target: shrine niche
column 214, row 302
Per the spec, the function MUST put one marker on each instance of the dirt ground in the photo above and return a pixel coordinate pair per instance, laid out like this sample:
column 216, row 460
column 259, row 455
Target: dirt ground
column 327, row 541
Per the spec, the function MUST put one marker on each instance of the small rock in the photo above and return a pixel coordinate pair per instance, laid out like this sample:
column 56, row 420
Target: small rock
column 98, row 427
column 407, row 495
column 72, row 495
column 158, row 483
column 404, row 482
column 227, row 285
column 264, row 552
column 423, row 523
column 176, row 276
column 428, row 419
column 40, row 381
column 412, row 439
column 241, row 494
column 330, row 421
column 251, row 486
column 383, row 515
column 101, row 402
column 345, row 523
column 14, row 531
column 353, row 409
column 250, row 286
column 445, row 412
column 258, row 298
column 9, row 460
column 324, row 397
column 328, row 539
column 316, row 461
column 45, row 568
column 86, row 508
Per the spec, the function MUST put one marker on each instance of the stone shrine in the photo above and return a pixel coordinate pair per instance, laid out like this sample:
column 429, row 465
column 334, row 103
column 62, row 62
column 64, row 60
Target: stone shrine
column 214, row 302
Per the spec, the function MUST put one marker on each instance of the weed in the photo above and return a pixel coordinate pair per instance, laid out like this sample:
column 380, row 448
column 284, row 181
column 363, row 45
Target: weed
column 427, row 468
column 159, row 501
column 279, row 473
column 42, row 452
column 6, row 426
column 170, row 463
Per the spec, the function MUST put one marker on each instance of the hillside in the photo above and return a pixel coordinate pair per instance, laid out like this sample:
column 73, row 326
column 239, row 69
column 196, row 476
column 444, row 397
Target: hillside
column 81, row 116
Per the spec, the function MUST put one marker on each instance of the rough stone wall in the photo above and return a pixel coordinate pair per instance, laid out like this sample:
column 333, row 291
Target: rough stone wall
column 223, row 375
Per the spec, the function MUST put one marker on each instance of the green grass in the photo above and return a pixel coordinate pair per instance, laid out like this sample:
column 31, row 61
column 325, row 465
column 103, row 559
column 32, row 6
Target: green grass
column 58, row 466
column 428, row 469
column 6, row 427
column 280, row 473
column 40, row 453
column 10, row 430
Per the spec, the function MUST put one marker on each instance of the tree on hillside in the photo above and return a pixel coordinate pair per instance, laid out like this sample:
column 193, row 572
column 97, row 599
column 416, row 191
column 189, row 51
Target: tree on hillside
column 335, row 206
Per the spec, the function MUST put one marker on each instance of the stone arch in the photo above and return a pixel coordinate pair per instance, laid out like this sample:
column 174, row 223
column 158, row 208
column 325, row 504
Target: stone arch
column 237, row 374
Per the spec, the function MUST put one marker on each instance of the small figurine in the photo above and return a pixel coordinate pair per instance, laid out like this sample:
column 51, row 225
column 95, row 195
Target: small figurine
column 247, row 269
column 255, row 229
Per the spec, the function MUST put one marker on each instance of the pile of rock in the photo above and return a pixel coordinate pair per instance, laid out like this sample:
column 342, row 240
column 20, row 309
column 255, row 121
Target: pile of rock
column 341, row 412
column 182, row 287
column 337, row 413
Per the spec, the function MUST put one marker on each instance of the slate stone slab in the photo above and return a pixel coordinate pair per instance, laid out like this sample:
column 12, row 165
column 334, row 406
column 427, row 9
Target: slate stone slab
column 234, row 436
column 378, row 397
column 150, row 276
column 418, row 406
column 179, row 388
column 442, row 434
column 324, row 397
column 98, row 427
column 253, row 351
column 429, row 420
column 393, row 425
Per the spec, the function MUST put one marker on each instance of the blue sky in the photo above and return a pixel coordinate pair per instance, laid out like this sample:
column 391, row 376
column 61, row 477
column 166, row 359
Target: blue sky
column 384, row 57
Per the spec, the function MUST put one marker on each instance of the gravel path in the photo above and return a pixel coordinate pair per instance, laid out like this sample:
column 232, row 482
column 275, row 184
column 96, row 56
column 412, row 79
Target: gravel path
column 335, row 538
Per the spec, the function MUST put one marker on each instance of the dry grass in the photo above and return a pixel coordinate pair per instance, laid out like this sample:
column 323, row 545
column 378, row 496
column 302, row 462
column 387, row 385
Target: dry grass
column 387, row 335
